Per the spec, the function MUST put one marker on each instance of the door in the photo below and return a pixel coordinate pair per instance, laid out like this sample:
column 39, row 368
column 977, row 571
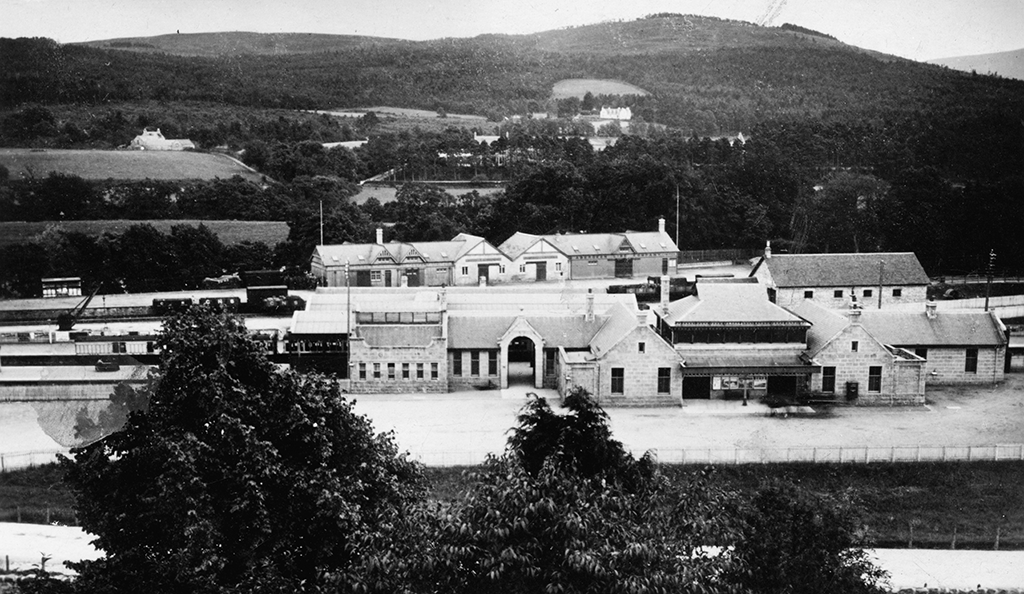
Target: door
column 387, row 278
column 697, row 387
column 542, row 271
column 413, row 276
column 483, row 272
column 362, row 278
column 624, row 268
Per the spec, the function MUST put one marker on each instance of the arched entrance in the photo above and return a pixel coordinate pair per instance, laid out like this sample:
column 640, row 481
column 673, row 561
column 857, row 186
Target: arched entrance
column 522, row 357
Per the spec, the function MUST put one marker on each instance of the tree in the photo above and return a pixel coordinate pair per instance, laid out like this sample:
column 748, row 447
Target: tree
column 568, row 509
column 237, row 478
column 793, row 542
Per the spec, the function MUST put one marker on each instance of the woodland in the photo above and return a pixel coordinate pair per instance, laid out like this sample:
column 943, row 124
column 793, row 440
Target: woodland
column 846, row 151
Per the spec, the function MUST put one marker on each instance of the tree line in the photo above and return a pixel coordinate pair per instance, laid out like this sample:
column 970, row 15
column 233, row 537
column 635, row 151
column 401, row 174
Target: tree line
column 230, row 475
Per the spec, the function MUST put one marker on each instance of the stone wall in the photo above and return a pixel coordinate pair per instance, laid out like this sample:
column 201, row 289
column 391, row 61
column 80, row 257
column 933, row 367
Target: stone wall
column 825, row 296
column 947, row 366
column 467, row 380
column 640, row 371
column 901, row 382
column 376, row 360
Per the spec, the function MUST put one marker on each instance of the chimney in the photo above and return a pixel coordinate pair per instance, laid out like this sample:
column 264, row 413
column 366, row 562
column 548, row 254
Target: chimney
column 661, row 225
column 380, row 236
column 666, row 289
column 641, row 317
column 590, row 305
column 930, row 310
column 768, row 249
column 855, row 315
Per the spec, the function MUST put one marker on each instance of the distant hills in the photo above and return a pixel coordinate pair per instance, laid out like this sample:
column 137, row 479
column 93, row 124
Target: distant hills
column 1008, row 64
column 704, row 75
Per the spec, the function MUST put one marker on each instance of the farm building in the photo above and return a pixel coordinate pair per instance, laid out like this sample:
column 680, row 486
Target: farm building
column 153, row 140
column 838, row 281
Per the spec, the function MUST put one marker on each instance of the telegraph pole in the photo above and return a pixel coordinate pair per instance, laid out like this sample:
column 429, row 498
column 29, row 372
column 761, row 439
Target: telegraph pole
column 988, row 283
column 322, row 222
column 677, row 216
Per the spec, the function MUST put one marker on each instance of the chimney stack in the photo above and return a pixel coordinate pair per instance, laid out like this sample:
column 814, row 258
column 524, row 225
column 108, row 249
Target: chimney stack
column 590, row 305
column 930, row 310
column 768, row 249
column 661, row 225
column 855, row 315
column 666, row 289
column 380, row 236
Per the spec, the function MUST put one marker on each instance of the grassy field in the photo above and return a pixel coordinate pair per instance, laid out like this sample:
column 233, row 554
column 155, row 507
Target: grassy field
column 229, row 232
column 123, row 165
column 578, row 87
column 939, row 502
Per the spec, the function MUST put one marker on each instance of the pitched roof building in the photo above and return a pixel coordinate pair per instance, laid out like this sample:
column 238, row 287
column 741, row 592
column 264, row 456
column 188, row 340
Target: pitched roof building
column 841, row 280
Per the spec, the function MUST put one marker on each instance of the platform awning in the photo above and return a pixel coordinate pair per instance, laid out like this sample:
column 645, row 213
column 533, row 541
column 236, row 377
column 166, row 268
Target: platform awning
column 748, row 364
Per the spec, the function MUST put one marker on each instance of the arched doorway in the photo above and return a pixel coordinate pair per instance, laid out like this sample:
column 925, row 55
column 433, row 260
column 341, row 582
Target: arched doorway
column 522, row 359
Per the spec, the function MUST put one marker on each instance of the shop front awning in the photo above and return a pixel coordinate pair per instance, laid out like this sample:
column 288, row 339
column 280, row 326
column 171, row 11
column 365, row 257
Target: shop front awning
column 748, row 364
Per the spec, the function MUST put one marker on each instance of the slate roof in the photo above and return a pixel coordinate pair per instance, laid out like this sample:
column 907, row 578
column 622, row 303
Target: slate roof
column 481, row 331
column 746, row 361
column 723, row 303
column 593, row 244
column 620, row 323
column 843, row 270
column 825, row 324
column 517, row 244
column 360, row 254
column 319, row 322
column 947, row 328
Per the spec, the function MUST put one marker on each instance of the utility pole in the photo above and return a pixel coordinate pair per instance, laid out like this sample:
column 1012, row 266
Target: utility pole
column 348, row 325
column 988, row 283
column 677, row 215
column 321, row 222
column 881, row 271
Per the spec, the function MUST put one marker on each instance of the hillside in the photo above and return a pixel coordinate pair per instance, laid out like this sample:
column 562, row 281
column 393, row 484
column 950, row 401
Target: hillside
column 705, row 75
column 124, row 165
column 1009, row 64
column 229, row 232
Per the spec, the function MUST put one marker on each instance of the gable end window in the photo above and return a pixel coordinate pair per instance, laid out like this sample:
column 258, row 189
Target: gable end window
column 641, row 347
column 854, row 346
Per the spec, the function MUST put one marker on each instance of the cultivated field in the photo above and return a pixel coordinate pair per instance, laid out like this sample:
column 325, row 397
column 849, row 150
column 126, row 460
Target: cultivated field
column 229, row 232
column 123, row 165
column 578, row 87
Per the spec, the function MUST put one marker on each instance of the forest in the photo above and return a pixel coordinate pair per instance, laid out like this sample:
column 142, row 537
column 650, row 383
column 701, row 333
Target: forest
column 847, row 150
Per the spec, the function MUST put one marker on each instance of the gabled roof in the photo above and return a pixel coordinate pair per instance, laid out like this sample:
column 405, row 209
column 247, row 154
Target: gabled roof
column 826, row 324
column 843, row 270
column 594, row 244
column 724, row 303
column 620, row 323
column 518, row 243
column 947, row 328
column 482, row 331
column 368, row 253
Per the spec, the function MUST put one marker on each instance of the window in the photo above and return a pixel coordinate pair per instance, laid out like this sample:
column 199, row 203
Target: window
column 868, row 293
column 501, row 269
column 522, row 268
column 492, row 363
column 664, row 380
column 618, row 380
column 375, row 275
column 549, row 361
column 474, row 363
column 391, row 371
column 808, row 294
column 405, row 371
column 419, row 371
column 433, row 371
column 921, row 352
column 591, row 262
column 465, row 271
column 854, row 346
column 971, row 364
column 641, row 347
column 376, row 371
column 874, row 379
column 897, row 292
column 457, row 363
column 362, row 371
column 838, row 294
column 558, row 266
column 828, row 379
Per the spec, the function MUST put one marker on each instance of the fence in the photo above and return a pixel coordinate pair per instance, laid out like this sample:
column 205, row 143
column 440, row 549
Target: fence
column 827, row 454
column 16, row 460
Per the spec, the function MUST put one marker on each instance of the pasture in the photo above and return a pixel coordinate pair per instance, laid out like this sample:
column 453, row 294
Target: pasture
column 229, row 232
column 578, row 87
column 123, row 165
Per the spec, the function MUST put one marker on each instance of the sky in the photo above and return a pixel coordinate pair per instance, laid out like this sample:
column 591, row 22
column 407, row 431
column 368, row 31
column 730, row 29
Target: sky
column 915, row 29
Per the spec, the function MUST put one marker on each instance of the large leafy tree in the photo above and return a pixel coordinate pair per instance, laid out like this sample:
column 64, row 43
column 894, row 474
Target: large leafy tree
column 568, row 509
column 238, row 477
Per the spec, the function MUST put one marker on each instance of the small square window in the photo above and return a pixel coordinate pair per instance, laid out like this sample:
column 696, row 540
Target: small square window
column 897, row 292
column 868, row 293
column 854, row 346
column 838, row 294
column 808, row 294
column 641, row 347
